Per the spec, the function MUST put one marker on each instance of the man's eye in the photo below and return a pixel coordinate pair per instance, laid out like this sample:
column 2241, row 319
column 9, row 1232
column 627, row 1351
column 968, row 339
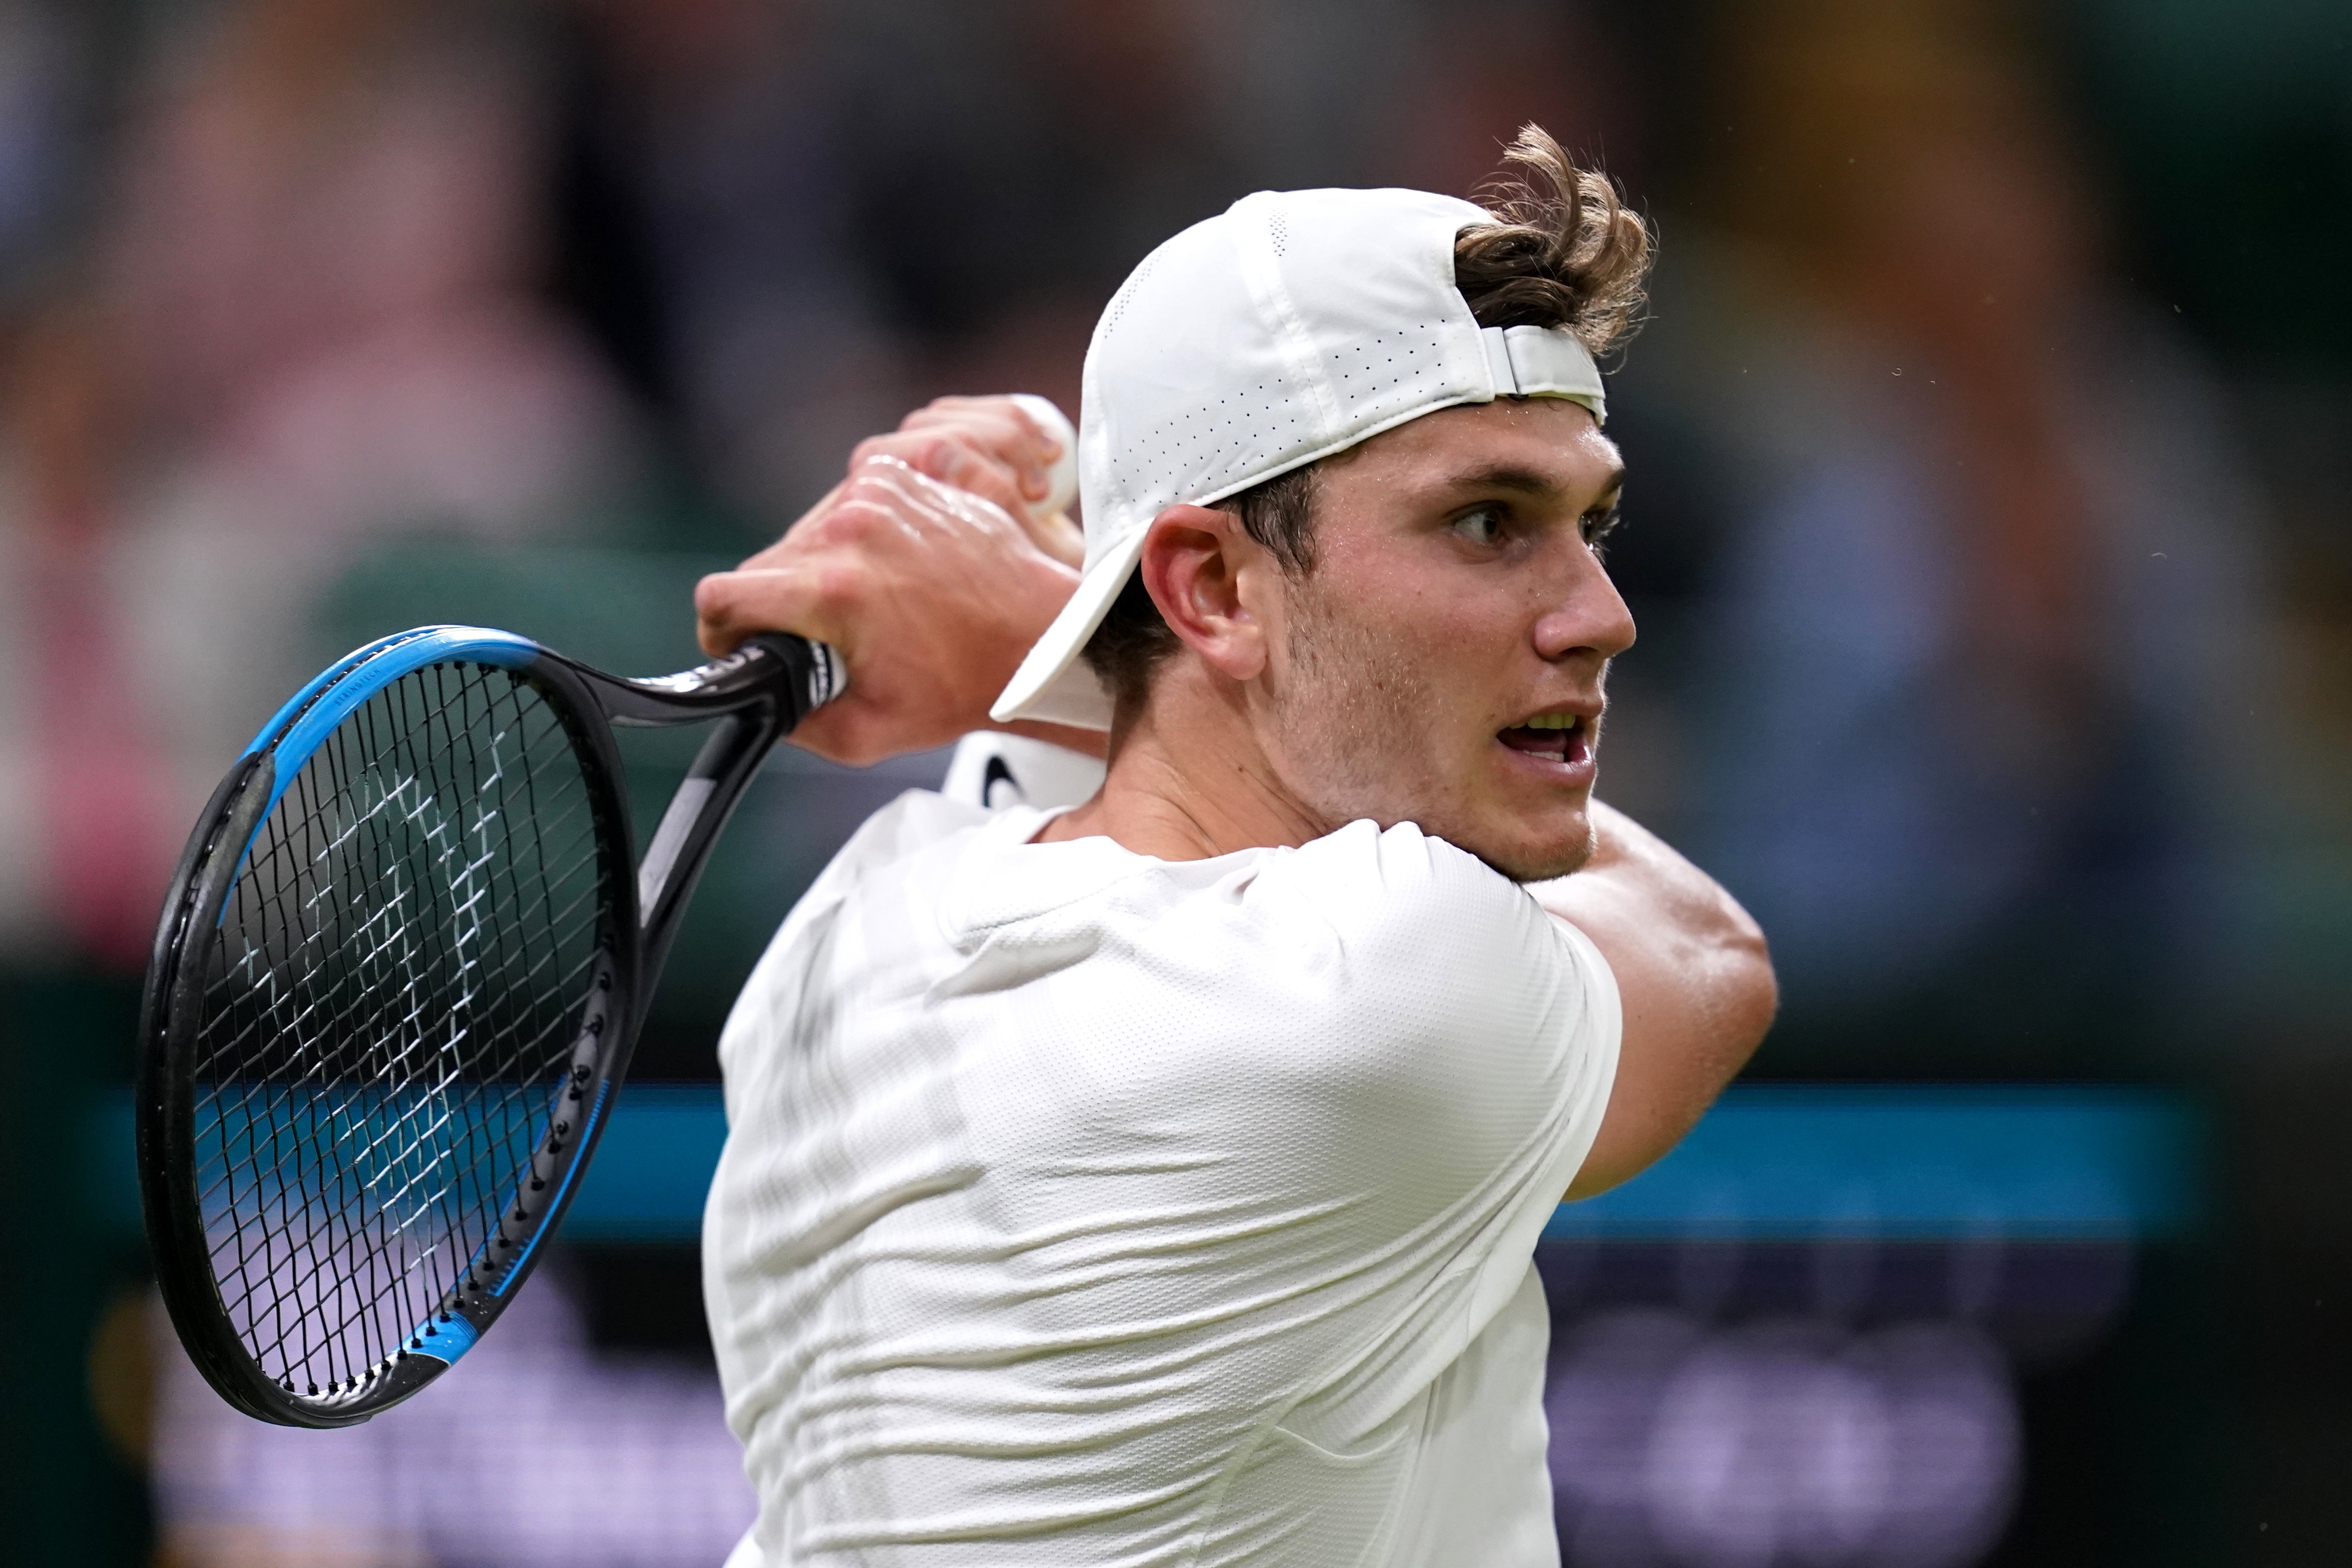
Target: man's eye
column 1598, row 526
column 1484, row 526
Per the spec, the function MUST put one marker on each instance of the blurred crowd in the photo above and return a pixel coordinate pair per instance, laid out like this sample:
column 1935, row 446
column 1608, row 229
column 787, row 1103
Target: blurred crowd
column 1976, row 656
column 1952, row 573
column 1964, row 672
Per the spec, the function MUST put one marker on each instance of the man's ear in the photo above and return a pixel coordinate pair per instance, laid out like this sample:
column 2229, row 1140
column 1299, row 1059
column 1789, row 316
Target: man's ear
column 1198, row 565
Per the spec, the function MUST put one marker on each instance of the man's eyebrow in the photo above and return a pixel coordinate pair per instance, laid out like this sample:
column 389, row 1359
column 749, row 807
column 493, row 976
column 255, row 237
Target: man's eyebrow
column 1529, row 481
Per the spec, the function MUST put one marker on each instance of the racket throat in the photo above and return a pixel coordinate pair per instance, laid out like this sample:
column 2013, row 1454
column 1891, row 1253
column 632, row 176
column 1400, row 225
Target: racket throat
column 681, row 845
column 686, row 808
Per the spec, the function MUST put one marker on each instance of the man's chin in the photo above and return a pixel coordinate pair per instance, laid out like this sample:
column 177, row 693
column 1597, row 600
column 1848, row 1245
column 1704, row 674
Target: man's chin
column 1537, row 857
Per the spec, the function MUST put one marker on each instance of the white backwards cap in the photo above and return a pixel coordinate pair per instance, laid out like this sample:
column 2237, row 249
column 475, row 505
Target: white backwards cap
column 1293, row 325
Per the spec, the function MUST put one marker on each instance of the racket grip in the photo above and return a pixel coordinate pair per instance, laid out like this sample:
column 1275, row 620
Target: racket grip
column 816, row 672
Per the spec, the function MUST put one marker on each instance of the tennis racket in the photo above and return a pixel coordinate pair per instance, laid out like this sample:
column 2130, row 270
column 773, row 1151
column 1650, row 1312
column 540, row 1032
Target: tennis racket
column 395, row 987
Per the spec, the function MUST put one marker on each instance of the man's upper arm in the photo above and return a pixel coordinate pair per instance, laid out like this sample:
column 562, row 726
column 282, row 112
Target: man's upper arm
column 1454, row 999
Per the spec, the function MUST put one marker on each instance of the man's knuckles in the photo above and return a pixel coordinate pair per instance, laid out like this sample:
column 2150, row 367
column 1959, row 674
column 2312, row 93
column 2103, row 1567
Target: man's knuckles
column 891, row 504
column 851, row 522
column 942, row 453
column 839, row 586
column 958, row 457
column 896, row 446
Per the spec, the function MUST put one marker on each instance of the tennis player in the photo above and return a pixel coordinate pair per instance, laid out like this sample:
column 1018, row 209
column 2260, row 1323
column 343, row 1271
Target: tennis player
column 1157, row 1181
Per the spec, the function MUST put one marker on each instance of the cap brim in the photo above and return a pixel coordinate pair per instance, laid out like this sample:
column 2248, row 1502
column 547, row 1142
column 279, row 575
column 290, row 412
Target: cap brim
column 1054, row 684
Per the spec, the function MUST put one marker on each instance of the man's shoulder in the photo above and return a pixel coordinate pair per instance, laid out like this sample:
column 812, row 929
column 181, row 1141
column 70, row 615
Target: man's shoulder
column 1362, row 925
column 920, row 825
column 1365, row 927
column 1370, row 968
column 1397, row 886
column 878, row 883
column 1350, row 885
column 915, row 821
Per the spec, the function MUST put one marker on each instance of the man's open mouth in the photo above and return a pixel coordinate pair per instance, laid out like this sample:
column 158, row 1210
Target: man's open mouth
column 1560, row 736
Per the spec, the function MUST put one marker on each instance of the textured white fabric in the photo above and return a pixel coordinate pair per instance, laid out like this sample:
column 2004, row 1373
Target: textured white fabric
column 1080, row 1208
column 1293, row 325
column 992, row 768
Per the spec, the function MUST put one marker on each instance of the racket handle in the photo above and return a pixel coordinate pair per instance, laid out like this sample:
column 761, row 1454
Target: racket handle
column 1062, row 478
column 818, row 672
column 802, row 676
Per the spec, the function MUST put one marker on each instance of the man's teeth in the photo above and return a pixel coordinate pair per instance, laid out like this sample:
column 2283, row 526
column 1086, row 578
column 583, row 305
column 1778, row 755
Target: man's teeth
column 1551, row 721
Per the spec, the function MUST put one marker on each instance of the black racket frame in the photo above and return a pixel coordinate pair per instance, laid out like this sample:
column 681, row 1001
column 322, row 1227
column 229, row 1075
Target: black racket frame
column 757, row 694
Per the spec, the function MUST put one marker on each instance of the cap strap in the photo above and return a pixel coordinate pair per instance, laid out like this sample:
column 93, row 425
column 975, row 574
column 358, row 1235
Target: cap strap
column 1543, row 361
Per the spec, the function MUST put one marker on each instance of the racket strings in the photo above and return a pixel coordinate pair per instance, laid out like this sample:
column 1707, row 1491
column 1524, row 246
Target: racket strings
column 389, row 1007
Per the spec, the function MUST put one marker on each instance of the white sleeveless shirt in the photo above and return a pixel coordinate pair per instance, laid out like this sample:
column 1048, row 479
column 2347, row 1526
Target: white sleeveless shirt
column 1084, row 1208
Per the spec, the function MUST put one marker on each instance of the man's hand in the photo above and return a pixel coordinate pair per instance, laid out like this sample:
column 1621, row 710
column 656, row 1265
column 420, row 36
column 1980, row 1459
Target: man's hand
column 928, row 569
column 1693, row 976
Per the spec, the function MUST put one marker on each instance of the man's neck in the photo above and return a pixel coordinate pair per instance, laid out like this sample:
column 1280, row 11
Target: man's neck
column 1187, row 780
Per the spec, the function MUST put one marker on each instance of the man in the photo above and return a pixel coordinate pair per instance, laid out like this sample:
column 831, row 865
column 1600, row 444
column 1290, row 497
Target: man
column 1158, row 1181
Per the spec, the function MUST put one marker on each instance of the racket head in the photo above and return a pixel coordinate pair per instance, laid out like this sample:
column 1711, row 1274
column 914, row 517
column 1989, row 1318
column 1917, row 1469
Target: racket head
column 392, row 996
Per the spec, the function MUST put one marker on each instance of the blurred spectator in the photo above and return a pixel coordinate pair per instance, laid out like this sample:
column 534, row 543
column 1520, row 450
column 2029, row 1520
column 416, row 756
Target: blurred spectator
column 839, row 211
column 42, row 81
column 707, row 155
column 85, row 839
column 1482, row 70
column 1974, row 646
column 1013, row 159
column 311, row 323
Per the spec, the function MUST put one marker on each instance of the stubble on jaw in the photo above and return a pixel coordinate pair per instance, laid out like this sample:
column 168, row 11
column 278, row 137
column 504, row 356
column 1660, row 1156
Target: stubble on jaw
column 1347, row 710
column 1340, row 707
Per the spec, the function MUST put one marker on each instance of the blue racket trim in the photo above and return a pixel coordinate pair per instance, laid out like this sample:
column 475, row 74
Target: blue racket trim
column 369, row 671
column 444, row 1339
column 595, row 1114
column 350, row 683
column 325, row 678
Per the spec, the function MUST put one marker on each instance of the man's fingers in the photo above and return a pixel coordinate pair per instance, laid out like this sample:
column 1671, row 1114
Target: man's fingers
column 720, row 606
column 951, row 456
column 955, row 454
column 999, row 426
column 888, row 489
column 1001, row 420
column 816, row 600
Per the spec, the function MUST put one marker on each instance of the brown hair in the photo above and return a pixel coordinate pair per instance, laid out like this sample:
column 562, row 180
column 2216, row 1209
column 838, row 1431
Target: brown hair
column 1563, row 252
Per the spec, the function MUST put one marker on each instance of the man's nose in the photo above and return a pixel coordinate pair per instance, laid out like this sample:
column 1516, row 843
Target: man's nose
column 1587, row 615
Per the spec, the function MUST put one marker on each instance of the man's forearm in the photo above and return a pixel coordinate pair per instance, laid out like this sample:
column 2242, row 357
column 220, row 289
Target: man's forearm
column 1634, row 873
column 1693, row 977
